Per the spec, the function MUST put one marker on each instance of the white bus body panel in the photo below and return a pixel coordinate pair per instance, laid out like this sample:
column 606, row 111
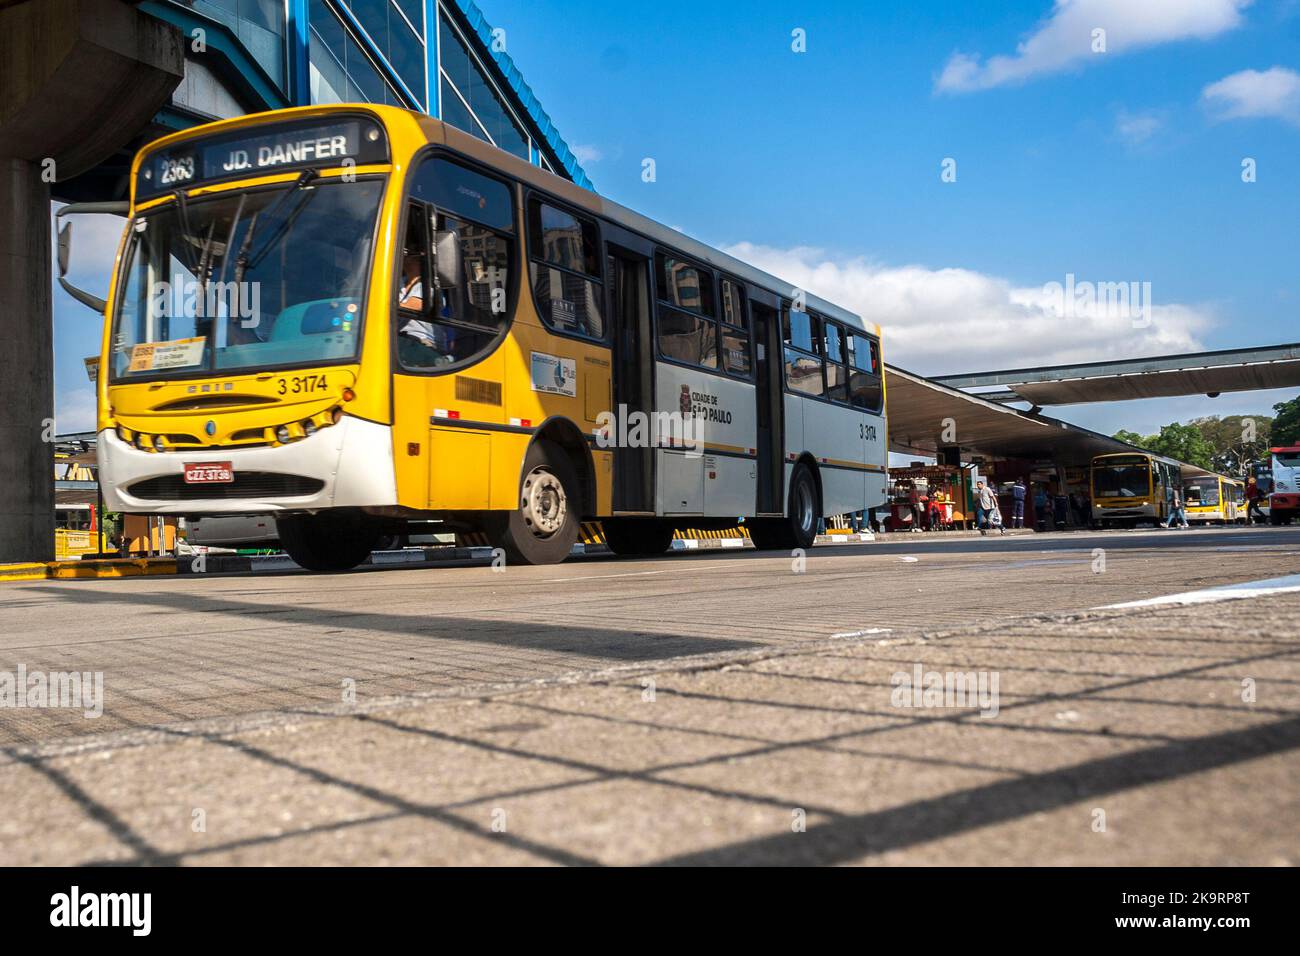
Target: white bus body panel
column 717, row 475
column 849, row 446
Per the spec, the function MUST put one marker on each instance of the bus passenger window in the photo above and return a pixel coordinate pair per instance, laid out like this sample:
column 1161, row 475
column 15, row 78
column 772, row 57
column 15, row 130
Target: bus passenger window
column 865, row 389
column 687, row 323
column 565, row 269
column 735, row 330
column 688, row 338
column 803, row 361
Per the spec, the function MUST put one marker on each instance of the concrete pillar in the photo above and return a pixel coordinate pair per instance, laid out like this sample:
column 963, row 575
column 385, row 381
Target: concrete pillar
column 27, row 367
column 80, row 79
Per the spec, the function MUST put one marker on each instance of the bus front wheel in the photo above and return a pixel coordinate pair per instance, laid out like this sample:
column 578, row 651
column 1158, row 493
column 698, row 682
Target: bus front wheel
column 329, row 540
column 637, row 537
column 545, row 525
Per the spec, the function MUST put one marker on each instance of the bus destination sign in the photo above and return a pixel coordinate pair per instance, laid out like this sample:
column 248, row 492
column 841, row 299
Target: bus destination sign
column 261, row 151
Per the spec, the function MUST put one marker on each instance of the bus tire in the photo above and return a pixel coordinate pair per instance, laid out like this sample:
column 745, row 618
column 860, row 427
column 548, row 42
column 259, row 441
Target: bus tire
column 329, row 540
column 799, row 530
column 637, row 537
column 545, row 525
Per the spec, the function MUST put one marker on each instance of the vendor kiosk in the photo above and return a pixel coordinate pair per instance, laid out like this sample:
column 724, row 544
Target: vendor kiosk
column 944, row 492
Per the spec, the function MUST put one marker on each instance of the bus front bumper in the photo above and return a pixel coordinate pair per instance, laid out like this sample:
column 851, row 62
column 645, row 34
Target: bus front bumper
column 348, row 465
column 1283, row 502
column 1144, row 510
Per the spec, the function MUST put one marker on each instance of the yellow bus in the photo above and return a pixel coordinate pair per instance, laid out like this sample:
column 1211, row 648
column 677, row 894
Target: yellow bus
column 1215, row 498
column 357, row 317
column 1130, row 487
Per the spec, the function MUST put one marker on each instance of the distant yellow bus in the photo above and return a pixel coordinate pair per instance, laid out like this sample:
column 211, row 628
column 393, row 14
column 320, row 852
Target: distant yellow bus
column 1215, row 499
column 356, row 317
column 1130, row 487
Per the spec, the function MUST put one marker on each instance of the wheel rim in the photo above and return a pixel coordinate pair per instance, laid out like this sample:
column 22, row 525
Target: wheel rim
column 804, row 506
column 544, row 505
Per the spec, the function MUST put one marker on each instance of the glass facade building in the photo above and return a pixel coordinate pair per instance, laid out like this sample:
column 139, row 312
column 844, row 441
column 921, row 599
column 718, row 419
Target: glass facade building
column 437, row 56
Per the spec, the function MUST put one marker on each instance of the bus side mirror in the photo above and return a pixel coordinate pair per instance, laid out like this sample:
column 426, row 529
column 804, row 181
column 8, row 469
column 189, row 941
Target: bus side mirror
column 64, row 254
column 446, row 257
column 65, row 248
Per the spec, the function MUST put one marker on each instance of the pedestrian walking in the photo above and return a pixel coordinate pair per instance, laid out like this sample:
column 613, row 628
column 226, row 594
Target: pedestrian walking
column 995, row 518
column 1255, row 497
column 985, row 502
column 1176, row 513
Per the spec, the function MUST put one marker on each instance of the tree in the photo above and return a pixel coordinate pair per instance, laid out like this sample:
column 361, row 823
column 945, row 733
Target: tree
column 1237, row 440
column 1183, row 443
column 1286, row 426
column 1131, row 438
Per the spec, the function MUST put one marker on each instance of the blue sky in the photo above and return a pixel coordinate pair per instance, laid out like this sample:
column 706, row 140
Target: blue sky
column 824, row 166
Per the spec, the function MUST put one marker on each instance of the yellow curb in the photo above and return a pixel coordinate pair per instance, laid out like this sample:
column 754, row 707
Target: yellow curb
column 67, row 570
column 24, row 572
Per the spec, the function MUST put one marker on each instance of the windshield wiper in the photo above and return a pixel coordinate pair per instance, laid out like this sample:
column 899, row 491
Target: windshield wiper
column 247, row 260
column 182, row 207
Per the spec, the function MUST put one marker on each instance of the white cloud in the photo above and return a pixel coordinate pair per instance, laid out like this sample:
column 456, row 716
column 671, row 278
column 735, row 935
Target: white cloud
column 1137, row 129
column 1064, row 39
column 1251, row 93
column 587, row 154
column 937, row 321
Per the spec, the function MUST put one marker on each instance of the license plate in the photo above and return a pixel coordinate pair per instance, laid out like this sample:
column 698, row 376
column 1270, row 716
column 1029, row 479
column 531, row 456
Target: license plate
column 209, row 473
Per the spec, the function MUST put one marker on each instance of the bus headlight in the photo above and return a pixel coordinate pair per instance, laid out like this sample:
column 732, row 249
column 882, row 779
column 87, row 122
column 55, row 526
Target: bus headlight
column 309, row 427
column 159, row 444
column 282, row 434
column 140, row 442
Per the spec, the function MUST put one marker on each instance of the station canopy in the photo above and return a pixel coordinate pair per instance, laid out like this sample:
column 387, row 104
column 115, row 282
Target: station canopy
column 920, row 409
column 1197, row 373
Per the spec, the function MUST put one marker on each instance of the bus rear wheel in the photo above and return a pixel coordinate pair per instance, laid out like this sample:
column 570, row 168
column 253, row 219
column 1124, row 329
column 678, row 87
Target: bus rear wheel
column 799, row 530
column 329, row 540
column 545, row 525
column 637, row 537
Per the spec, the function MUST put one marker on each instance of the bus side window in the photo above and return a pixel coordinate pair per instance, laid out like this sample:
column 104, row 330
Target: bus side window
column 735, row 330
column 565, row 270
column 687, row 320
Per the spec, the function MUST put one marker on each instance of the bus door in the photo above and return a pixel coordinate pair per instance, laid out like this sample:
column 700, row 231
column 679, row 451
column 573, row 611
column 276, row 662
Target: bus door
column 634, row 387
column 770, row 396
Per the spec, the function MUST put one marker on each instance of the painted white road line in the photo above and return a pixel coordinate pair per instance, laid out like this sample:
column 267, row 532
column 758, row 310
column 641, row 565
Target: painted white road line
column 867, row 632
column 1226, row 592
column 604, row 577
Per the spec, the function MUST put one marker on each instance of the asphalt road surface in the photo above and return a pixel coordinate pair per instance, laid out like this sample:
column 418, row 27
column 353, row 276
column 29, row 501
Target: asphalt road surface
column 706, row 707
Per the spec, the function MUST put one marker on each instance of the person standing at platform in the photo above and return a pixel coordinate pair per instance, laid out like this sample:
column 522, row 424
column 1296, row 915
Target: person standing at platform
column 1041, row 511
column 1018, row 494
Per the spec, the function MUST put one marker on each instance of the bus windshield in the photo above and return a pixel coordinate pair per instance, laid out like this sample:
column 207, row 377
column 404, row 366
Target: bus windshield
column 1201, row 495
column 246, row 280
column 1121, row 481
